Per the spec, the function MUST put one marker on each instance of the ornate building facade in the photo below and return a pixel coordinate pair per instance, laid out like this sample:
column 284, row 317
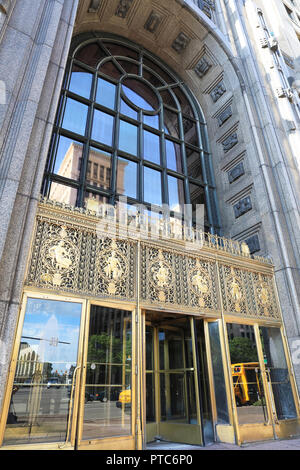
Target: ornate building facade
column 149, row 201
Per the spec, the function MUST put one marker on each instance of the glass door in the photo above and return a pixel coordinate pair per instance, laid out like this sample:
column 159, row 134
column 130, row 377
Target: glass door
column 107, row 401
column 71, row 383
column 172, row 381
column 262, row 383
column 39, row 405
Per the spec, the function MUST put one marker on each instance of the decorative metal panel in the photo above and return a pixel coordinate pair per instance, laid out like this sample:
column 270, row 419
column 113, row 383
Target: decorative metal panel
column 73, row 251
column 73, row 259
column 174, row 279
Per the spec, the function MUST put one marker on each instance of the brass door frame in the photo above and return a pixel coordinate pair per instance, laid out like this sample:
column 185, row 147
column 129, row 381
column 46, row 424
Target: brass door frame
column 272, row 428
column 115, row 442
column 69, row 443
column 75, row 425
column 157, row 372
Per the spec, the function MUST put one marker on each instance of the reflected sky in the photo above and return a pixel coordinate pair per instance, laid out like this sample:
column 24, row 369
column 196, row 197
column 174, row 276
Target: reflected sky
column 55, row 325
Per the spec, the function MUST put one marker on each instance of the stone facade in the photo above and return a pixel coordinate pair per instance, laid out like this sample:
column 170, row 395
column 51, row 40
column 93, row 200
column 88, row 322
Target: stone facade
column 224, row 51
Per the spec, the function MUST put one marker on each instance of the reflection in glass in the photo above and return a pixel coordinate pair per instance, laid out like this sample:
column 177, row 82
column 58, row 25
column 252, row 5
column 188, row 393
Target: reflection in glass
column 218, row 373
column 127, row 177
column 171, row 124
column 246, row 374
column 198, row 205
column 207, row 420
column 127, row 110
column 185, row 105
column 194, row 166
column 152, row 186
column 120, row 50
column 110, row 69
column 176, row 194
column 90, row 54
column 152, row 121
column 81, row 82
column 173, row 156
column 140, row 94
column 177, row 375
column 99, row 168
column 190, row 132
column 129, row 67
column 47, row 358
column 278, row 373
column 75, row 116
column 93, row 201
column 128, row 137
column 151, row 147
column 106, row 93
column 102, row 127
column 107, row 410
column 68, row 158
column 62, row 193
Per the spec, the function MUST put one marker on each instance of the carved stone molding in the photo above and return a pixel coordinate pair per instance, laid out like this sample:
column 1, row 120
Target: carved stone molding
column 218, row 91
column 94, row 6
column 153, row 22
column 181, row 42
column 123, row 8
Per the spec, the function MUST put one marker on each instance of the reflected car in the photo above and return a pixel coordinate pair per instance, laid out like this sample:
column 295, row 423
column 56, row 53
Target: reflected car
column 124, row 399
column 53, row 383
column 104, row 396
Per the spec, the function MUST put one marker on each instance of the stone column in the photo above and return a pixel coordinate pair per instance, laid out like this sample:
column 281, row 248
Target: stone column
column 33, row 54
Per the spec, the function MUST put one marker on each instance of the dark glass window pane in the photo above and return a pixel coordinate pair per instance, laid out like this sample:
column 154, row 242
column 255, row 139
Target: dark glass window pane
column 168, row 99
column 190, row 132
column 128, row 137
column 151, row 147
column 183, row 101
column 62, row 193
column 129, row 67
column 106, row 93
column 176, row 194
column 75, row 116
column 194, row 166
column 68, row 158
column 80, row 82
column 90, row 55
column 198, row 205
column 218, row 373
column 127, row 110
column 99, row 168
column 140, row 94
column 110, row 69
column 152, row 186
column 127, row 178
column 173, row 156
column 102, row 127
column 171, row 124
column 156, row 68
column 153, row 79
column 119, row 49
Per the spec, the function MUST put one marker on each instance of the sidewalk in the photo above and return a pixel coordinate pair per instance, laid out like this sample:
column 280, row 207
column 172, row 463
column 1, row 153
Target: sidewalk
column 285, row 444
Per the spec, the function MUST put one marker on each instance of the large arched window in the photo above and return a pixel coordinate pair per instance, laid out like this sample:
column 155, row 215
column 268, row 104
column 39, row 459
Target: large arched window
column 128, row 126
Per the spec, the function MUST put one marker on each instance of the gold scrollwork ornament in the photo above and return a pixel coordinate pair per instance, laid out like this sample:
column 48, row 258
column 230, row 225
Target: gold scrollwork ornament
column 200, row 284
column 235, row 291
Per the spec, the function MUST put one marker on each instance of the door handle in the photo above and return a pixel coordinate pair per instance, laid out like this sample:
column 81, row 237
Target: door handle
column 70, row 408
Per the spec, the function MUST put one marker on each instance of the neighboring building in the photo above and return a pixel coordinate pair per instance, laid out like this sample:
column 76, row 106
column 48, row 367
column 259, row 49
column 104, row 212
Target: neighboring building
column 149, row 207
